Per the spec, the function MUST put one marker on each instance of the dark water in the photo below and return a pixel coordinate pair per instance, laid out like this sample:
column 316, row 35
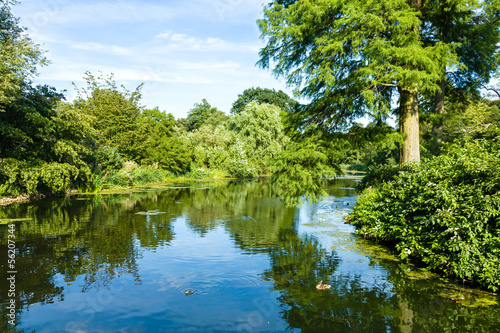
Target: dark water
column 93, row 264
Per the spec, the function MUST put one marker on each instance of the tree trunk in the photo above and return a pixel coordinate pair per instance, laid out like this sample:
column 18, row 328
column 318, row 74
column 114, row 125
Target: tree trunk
column 409, row 126
column 437, row 126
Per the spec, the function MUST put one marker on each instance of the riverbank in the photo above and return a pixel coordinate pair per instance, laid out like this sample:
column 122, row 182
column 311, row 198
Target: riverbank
column 205, row 175
column 20, row 198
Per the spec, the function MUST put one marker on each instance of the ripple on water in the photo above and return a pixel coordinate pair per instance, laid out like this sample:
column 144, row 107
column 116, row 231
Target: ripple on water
column 230, row 283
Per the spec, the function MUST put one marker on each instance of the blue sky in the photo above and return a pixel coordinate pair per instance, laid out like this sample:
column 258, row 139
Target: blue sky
column 183, row 51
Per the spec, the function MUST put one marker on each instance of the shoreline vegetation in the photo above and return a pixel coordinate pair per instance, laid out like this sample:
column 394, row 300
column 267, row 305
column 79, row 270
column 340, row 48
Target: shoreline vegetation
column 214, row 175
column 426, row 191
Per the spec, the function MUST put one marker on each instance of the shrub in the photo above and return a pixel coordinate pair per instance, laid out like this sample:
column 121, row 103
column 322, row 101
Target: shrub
column 198, row 173
column 17, row 177
column 132, row 174
column 118, row 179
column 444, row 212
column 146, row 174
column 108, row 158
column 376, row 175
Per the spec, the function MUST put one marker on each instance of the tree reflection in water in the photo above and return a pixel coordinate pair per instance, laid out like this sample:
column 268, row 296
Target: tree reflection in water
column 297, row 265
column 90, row 241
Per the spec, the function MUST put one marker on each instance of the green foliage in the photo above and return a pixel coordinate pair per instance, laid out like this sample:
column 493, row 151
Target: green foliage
column 260, row 128
column 200, row 114
column 375, row 144
column 350, row 58
column 198, row 173
column 264, row 95
column 26, row 125
column 159, row 144
column 297, row 171
column 19, row 56
column 462, row 119
column 472, row 120
column 237, row 164
column 108, row 158
column 133, row 174
column 474, row 27
column 146, row 174
column 114, row 113
column 45, row 144
column 444, row 212
column 17, row 177
column 376, row 175
column 218, row 148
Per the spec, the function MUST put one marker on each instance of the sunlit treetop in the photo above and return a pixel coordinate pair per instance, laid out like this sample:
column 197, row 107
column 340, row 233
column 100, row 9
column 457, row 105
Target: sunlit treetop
column 351, row 57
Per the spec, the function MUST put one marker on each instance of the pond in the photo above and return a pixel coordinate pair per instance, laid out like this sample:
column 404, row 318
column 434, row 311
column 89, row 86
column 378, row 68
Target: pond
column 123, row 262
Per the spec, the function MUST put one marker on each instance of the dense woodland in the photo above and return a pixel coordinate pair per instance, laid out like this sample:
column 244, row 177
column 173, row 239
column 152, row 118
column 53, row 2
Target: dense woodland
column 432, row 187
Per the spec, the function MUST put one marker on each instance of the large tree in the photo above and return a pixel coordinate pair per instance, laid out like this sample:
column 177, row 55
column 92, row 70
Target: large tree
column 475, row 29
column 352, row 58
column 264, row 95
column 260, row 127
column 159, row 144
column 19, row 56
column 201, row 113
column 115, row 113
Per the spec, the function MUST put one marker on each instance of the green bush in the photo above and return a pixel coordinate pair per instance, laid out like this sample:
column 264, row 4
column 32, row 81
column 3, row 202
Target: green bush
column 198, row 173
column 118, row 179
column 376, row 175
column 108, row 158
column 444, row 212
column 132, row 174
column 146, row 174
column 17, row 177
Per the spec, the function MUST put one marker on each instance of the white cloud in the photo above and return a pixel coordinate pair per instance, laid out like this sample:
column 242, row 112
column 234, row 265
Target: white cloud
column 180, row 41
column 164, row 35
column 183, row 50
column 40, row 13
column 90, row 46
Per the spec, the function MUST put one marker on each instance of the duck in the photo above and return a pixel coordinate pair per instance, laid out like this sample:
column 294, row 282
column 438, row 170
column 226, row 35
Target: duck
column 322, row 286
column 189, row 292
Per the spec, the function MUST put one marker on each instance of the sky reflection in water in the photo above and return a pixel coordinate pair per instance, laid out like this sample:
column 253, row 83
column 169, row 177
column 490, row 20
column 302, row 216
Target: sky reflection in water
column 93, row 264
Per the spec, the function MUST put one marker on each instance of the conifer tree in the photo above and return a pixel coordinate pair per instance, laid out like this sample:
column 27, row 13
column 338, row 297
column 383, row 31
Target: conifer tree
column 353, row 57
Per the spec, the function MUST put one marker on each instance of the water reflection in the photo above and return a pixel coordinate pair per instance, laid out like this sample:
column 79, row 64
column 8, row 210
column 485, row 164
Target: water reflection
column 91, row 263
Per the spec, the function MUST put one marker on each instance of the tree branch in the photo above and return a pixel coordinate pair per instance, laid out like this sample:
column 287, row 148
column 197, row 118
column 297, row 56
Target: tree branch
column 491, row 89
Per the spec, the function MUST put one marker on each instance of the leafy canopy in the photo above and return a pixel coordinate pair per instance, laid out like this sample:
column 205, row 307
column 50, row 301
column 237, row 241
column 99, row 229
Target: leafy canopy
column 114, row 113
column 349, row 57
column 19, row 56
column 158, row 142
column 262, row 132
column 264, row 95
column 201, row 113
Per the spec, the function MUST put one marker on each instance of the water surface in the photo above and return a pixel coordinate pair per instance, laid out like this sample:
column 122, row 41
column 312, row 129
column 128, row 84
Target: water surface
column 123, row 263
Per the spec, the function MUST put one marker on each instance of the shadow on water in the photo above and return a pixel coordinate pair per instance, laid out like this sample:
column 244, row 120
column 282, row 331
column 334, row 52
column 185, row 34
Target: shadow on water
column 252, row 263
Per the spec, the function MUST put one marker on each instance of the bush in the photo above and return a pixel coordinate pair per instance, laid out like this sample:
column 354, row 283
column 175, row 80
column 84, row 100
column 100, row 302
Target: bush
column 376, row 175
column 146, row 175
column 17, row 177
column 444, row 212
column 108, row 158
column 118, row 179
column 198, row 173
column 132, row 174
